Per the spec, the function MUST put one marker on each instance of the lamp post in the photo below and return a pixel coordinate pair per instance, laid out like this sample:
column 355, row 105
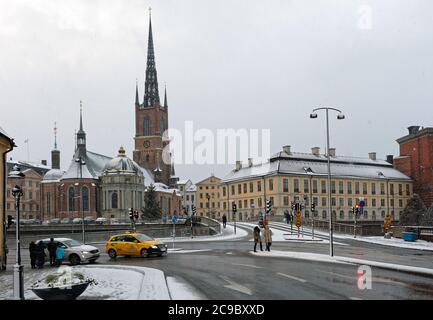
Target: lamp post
column 81, row 162
column 17, row 178
column 340, row 116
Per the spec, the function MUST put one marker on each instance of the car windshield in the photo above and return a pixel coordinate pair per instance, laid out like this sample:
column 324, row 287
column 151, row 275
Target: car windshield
column 143, row 237
column 72, row 243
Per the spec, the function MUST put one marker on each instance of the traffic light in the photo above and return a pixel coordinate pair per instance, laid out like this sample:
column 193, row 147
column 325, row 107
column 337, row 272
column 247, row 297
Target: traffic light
column 10, row 221
column 313, row 207
column 268, row 206
column 234, row 208
column 136, row 214
column 194, row 210
column 131, row 214
column 357, row 209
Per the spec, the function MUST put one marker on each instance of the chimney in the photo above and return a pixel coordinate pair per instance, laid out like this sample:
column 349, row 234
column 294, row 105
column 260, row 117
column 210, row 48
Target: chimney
column 413, row 129
column 372, row 155
column 286, row 149
column 332, row 152
column 315, row 151
column 238, row 165
column 250, row 162
column 390, row 159
column 44, row 162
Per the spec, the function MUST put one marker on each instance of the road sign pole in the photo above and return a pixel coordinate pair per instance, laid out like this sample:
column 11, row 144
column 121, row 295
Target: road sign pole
column 174, row 233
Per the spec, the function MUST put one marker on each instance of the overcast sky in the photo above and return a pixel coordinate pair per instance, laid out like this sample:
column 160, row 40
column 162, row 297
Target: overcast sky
column 227, row 64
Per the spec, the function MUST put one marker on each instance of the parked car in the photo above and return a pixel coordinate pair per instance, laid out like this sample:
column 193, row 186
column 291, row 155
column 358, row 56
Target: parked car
column 34, row 222
column 101, row 220
column 77, row 220
column 55, row 221
column 134, row 244
column 89, row 220
column 46, row 222
column 114, row 221
column 66, row 221
column 75, row 251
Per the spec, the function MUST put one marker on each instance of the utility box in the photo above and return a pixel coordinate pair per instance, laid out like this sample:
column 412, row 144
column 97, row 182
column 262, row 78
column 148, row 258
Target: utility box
column 409, row 236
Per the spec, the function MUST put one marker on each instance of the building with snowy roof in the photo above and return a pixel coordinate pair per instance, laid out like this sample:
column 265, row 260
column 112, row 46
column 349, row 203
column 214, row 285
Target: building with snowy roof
column 289, row 177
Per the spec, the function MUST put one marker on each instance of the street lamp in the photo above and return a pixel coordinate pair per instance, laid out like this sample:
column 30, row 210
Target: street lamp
column 81, row 163
column 340, row 116
column 17, row 179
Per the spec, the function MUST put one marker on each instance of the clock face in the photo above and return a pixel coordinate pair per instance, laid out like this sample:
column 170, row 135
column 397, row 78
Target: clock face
column 146, row 144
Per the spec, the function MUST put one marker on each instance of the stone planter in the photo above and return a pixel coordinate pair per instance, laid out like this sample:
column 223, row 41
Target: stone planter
column 66, row 292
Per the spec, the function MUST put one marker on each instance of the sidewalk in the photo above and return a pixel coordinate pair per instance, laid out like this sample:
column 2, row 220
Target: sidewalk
column 113, row 283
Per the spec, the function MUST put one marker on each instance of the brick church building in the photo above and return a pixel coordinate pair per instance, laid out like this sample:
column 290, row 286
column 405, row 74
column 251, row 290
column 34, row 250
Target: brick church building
column 99, row 185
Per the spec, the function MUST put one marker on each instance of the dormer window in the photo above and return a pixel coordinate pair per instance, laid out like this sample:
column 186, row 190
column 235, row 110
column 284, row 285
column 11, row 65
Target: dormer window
column 308, row 170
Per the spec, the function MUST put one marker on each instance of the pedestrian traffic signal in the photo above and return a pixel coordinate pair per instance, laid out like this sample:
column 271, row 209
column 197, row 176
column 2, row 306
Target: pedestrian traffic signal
column 10, row 221
column 313, row 207
column 357, row 211
column 136, row 214
column 131, row 214
column 268, row 206
column 194, row 210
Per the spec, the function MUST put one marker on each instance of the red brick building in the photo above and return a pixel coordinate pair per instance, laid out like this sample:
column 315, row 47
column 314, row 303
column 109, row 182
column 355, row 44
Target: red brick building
column 416, row 161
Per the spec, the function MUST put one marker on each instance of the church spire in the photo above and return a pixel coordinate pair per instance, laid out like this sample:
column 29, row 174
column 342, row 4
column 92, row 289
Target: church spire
column 81, row 135
column 55, row 135
column 137, row 100
column 165, row 97
column 151, row 94
column 81, row 116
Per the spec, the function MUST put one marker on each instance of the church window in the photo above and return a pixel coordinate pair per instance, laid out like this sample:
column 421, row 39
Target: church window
column 161, row 124
column 146, row 126
column 114, row 204
column 71, row 199
column 85, row 198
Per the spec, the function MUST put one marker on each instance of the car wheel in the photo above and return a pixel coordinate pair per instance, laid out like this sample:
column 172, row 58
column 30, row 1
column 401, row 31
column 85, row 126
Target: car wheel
column 112, row 253
column 144, row 253
column 74, row 259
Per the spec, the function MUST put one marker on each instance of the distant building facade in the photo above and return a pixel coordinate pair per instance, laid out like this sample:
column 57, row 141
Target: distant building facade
column 416, row 161
column 208, row 198
column 188, row 192
column 289, row 177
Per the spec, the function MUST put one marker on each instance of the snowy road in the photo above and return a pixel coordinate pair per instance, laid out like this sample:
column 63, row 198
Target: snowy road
column 227, row 270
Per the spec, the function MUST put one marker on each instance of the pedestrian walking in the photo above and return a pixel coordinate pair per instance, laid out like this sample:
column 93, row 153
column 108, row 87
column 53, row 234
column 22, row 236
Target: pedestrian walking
column 52, row 247
column 224, row 220
column 268, row 237
column 40, row 255
column 60, row 254
column 33, row 254
column 257, row 238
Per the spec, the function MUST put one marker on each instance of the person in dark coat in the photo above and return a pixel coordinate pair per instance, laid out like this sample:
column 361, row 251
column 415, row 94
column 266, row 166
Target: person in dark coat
column 257, row 238
column 40, row 255
column 224, row 220
column 33, row 252
column 52, row 247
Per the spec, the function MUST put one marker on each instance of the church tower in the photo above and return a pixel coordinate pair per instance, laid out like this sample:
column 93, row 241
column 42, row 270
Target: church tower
column 151, row 121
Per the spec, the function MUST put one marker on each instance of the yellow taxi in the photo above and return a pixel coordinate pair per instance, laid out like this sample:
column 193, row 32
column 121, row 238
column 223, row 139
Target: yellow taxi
column 134, row 244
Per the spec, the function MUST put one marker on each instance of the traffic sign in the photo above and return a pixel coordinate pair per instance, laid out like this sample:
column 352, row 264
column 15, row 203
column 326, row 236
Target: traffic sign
column 298, row 219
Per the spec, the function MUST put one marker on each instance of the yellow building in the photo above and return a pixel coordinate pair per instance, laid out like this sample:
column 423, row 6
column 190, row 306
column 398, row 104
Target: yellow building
column 6, row 145
column 290, row 177
column 208, row 198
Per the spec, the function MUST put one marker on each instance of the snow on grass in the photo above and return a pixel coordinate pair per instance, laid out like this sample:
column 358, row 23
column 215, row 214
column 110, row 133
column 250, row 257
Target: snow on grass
column 113, row 283
column 182, row 291
column 338, row 259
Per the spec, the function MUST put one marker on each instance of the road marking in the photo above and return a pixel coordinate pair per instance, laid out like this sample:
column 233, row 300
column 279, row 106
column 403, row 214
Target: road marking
column 354, row 298
column 236, row 286
column 246, row 265
column 191, row 251
column 292, row 277
column 339, row 275
column 229, row 252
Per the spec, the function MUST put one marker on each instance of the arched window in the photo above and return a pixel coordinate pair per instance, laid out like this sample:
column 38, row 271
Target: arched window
column 146, row 128
column 324, row 214
column 85, row 198
column 71, row 199
column 114, row 202
column 365, row 214
column 373, row 215
column 341, row 215
column 147, row 158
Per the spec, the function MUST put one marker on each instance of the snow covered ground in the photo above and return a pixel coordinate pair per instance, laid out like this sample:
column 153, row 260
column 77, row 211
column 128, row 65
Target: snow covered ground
column 227, row 234
column 393, row 242
column 337, row 259
column 285, row 236
column 113, row 283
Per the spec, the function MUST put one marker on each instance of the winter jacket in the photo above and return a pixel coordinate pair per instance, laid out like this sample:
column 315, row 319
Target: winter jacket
column 60, row 253
column 33, row 249
column 257, row 237
column 52, row 247
column 268, row 234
